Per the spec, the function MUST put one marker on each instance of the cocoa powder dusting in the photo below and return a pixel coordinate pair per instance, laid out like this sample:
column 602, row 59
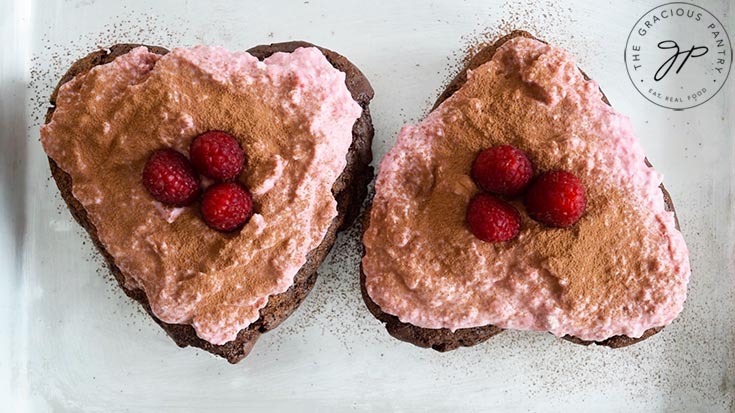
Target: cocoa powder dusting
column 579, row 256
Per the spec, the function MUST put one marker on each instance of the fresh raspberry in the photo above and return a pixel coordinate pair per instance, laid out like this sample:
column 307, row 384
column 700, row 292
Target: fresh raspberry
column 226, row 206
column 556, row 198
column 492, row 219
column 217, row 155
column 504, row 170
column 169, row 177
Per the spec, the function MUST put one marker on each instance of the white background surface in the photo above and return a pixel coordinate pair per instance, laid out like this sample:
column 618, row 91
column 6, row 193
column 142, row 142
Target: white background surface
column 71, row 341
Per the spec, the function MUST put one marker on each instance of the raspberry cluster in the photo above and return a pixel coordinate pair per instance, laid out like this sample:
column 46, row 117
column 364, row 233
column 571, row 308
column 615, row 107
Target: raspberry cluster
column 173, row 180
column 555, row 198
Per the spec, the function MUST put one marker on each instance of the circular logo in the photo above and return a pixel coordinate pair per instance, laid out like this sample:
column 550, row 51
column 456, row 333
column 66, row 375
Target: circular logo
column 678, row 55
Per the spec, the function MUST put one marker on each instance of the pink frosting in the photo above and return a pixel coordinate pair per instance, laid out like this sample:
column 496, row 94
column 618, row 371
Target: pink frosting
column 293, row 115
column 622, row 269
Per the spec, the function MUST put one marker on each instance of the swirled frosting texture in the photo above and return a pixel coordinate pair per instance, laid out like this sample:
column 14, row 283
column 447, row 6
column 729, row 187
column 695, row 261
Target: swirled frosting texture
column 622, row 269
column 293, row 116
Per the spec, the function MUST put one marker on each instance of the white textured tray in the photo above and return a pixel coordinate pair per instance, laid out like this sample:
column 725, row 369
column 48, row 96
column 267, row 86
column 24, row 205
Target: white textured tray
column 71, row 341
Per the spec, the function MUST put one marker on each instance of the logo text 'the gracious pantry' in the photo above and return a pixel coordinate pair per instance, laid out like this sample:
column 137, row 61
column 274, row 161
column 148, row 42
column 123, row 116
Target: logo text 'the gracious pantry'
column 678, row 55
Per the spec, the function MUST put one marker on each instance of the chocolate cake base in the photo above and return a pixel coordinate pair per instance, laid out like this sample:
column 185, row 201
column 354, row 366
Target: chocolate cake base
column 444, row 339
column 349, row 190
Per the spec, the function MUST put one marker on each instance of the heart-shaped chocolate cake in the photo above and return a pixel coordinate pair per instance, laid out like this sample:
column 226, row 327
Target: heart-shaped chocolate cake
column 213, row 182
column 522, row 201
